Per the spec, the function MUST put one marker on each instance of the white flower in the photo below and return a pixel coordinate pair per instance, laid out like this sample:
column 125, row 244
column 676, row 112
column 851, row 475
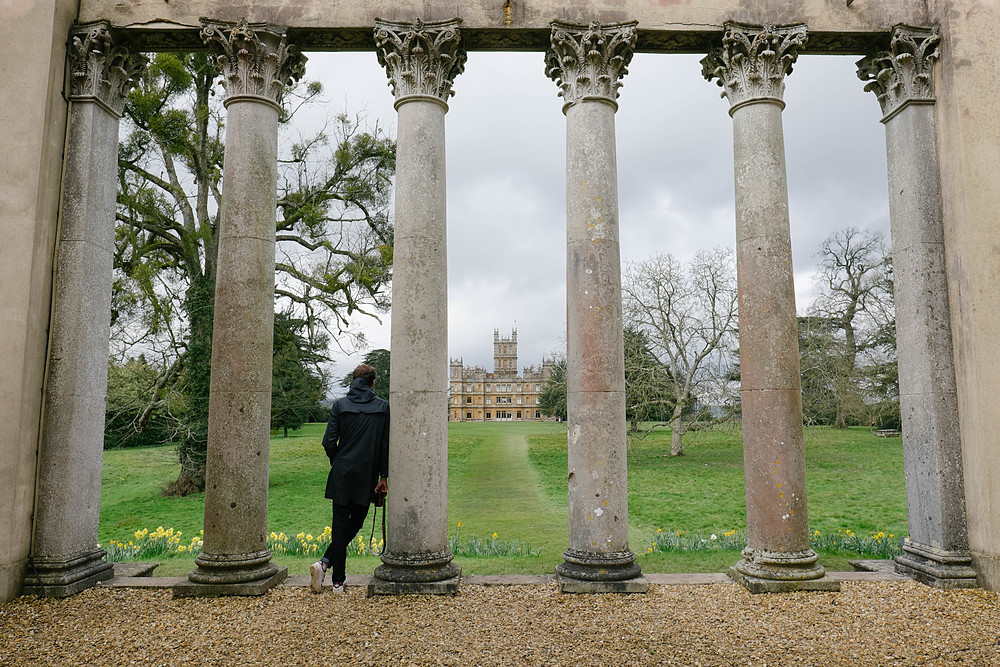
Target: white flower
column 713, row 537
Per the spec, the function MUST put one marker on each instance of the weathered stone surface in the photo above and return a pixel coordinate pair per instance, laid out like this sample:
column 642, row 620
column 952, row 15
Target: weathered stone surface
column 191, row 589
column 751, row 66
column 753, row 62
column 903, row 75
column 65, row 576
column 966, row 133
column 774, row 466
column 421, row 61
column 902, row 80
column 258, row 64
column 33, row 123
column 448, row 586
column 679, row 26
column 595, row 373
column 761, row 585
column 417, row 504
column 941, row 568
column 634, row 585
column 67, row 505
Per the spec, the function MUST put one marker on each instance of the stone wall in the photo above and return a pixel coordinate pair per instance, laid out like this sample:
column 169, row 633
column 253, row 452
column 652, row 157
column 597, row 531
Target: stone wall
column 678, row 26
column 33, row 122
column 968, row 137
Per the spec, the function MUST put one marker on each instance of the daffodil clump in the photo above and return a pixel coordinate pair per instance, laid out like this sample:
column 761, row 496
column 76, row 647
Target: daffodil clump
column 489, row 546
column 879, row 545
column 145, row 544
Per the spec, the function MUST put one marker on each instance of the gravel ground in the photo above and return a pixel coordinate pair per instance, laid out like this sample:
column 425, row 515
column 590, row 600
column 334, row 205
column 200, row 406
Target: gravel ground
column 882, row 623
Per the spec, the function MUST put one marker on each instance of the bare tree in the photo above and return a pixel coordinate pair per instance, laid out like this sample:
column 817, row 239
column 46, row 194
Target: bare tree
column 854, row 288
column 689, row 316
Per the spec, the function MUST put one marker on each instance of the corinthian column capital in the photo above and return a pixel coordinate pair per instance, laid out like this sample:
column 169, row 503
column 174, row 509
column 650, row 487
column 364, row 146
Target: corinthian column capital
column 102, row 71
column 752, row 64
column 256, row 60
column 420, row 59
column 903, row 74
column 588, row 62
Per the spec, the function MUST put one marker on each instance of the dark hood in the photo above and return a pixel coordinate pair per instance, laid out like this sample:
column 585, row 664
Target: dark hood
column 361, row 391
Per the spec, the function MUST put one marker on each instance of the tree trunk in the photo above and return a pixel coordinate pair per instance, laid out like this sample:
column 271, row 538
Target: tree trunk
column 677, row 431
column 192, row 450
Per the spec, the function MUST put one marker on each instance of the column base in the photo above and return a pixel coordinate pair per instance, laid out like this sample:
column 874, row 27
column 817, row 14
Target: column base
column 448, row 586
column 193, row 589
column 416, row 574
column 231, row 574
column 938, row 568
column 762, row 571
column 595, row 572
column 59, row 578
column 637, row 584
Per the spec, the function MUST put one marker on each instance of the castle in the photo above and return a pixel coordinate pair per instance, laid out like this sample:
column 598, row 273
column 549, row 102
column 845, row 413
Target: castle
column 503, row 395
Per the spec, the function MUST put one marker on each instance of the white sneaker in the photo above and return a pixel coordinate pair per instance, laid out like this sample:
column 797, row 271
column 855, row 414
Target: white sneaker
column 338, row 587
column 316, row 575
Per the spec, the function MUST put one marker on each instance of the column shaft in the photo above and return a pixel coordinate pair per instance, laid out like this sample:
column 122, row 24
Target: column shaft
column 751, row 68
column 587, row 62
column 937, row 552
column 773, row 449
column 595, row 370
column 421, row 62
column 418, row 432
column 240, row 396
column 66, row 558
column 257, row 65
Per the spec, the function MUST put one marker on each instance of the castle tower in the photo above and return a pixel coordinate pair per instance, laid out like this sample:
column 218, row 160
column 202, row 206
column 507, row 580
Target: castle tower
column 505, row 354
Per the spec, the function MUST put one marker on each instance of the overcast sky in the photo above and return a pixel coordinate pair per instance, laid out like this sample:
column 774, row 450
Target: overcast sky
column 506, row 179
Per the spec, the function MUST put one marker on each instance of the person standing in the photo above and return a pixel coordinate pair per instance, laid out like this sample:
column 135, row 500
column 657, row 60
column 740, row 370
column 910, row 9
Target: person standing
column 357, row 443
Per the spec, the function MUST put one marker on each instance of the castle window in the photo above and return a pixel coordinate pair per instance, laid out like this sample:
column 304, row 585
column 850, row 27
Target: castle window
column 518, row 414
column 468, row 415
column 538, row 414
column 487, row 414
column 468, row 399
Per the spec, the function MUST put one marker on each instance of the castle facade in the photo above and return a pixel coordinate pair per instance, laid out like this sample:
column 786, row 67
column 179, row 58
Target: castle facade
column 503, row 395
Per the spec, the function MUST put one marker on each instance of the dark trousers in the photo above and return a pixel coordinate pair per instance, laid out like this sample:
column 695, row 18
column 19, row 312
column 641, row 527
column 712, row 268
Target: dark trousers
column 347, row 522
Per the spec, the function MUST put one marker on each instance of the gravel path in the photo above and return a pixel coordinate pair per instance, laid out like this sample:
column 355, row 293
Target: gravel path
column 883, row 623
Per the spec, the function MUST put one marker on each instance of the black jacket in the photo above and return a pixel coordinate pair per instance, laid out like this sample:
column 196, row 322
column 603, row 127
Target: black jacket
column 357, row 443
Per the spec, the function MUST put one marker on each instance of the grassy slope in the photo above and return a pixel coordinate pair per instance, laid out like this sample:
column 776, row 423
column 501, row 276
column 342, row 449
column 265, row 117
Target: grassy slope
column 511, row 479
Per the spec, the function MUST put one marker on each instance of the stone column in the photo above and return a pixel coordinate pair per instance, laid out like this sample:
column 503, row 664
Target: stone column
column 751, row 67
column 937, row 552
column 257, row 65
column 587, row 64
column 421, row 61
column 65, row 556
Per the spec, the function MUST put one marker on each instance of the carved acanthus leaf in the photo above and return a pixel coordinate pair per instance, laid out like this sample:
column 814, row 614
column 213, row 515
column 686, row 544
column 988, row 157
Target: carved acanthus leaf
column 904, row 73
column 420, row 58
column 589, row 61
column 754, row 61
column 102, row 70
column 255, row 60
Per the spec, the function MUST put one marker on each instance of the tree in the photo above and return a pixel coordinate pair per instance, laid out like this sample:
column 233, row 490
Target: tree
column 647, row 382
column 332, row 228
column 690, row 321
column 854, row 286
column 552, row 402
column 297, row 386
column 379, row 360
column 130, row 387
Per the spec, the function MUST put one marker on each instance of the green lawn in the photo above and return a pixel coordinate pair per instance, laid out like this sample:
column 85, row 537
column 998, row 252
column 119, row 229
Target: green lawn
column 510, row 479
